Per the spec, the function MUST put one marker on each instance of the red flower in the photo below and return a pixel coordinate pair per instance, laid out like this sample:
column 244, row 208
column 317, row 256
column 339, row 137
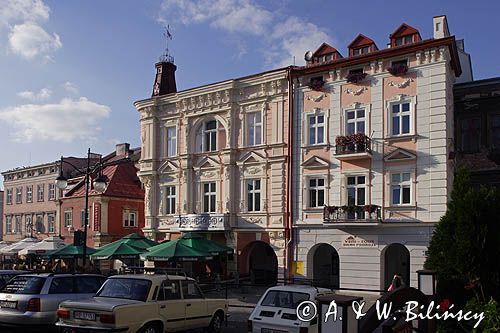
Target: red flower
column 444, row 305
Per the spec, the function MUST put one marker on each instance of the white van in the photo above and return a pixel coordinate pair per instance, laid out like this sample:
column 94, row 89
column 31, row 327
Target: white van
column 276, row 311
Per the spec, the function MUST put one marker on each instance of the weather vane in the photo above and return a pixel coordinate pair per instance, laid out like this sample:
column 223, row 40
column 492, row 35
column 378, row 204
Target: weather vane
column 167, row 57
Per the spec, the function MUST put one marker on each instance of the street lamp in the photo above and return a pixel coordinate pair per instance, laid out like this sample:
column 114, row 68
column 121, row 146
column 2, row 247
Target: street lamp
column 99, row 185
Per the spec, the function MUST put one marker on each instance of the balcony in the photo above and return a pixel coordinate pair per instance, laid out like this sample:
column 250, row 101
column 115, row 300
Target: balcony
column 353, row 147
column 202, row 222
column 358, row 215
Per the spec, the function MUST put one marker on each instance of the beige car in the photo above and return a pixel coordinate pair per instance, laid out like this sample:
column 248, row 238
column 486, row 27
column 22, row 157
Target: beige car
column 146, row 304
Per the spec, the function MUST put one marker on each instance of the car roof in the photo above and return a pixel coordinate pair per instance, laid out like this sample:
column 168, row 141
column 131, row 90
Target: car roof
column 59, row 274
column 151, row 277
column 301, row 288
column 12, row 271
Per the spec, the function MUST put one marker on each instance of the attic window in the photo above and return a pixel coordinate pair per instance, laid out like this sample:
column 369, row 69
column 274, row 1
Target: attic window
column 404, row 40
column 356, row 71
column 361, row 50
column 328, row 57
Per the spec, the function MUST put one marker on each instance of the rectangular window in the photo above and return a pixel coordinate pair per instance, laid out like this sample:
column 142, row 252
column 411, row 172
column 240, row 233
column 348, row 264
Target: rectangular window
column 51, row 223
column 40, row 192
column 316, row 129
column 316, row 192
column 361, row 50
column 171, row 141
column 82, row 218
column 39, row 223
column 52, row 191
column 210, row 136
column 470, row 134
column 8, row 196
column 29, row 193
column 8, row 224
column 253, row 195
column 355, row 121
column 68, row 218
column 495, row 131
column 400, row 119
column 254, row 128
column 19, row 195
column 29, row 224
column 170, row 200
column 401, row 188
column 17, row 225
column 130, row 218
column 209, row 197
column 356, row 196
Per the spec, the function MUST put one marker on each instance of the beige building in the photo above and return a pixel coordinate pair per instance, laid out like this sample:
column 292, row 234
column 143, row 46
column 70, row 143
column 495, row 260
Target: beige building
column 214, row 160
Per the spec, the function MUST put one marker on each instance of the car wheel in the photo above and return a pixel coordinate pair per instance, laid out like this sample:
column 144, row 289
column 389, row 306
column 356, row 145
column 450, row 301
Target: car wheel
column 150, row 328
column 215, row 324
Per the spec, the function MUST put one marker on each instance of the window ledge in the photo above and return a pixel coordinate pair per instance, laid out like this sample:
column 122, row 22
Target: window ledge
column 414, row 137
column 313, row 210
column 401, row 207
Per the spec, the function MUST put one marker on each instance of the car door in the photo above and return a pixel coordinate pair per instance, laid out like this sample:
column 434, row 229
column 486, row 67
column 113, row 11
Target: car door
column 196, row 306
column 88, row 285
column 171, row 306
column 60, row 289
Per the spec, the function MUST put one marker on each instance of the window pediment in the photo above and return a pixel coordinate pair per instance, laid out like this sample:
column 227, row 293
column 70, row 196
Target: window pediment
column 168, row 166
column 315, row 162
column 251, row 158
column 206, row 163
column 399, row 154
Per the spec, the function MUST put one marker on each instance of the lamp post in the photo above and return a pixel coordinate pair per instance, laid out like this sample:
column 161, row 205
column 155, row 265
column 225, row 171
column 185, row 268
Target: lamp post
column 99, row 185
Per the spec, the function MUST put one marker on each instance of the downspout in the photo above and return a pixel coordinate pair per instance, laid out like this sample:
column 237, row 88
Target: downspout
column 289, row 220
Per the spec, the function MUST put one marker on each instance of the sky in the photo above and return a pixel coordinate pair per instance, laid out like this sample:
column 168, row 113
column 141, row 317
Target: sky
column 70, row 71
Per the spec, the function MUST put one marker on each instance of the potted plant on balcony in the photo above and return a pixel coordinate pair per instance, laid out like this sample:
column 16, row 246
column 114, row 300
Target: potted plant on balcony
column 398, row 69
column 370, row 209
column 359, row 140
column 316, row 84
column 355, row 77
column 342, row 141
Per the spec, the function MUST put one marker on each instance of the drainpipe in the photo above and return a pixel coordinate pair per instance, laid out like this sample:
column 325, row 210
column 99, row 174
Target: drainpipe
column 289, row 215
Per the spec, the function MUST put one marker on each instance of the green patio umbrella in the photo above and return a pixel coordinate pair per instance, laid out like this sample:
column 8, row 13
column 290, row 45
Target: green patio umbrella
column 200, row 243
column 135, row 240
column 117, row 250
column 175, row 251
column 68, row 252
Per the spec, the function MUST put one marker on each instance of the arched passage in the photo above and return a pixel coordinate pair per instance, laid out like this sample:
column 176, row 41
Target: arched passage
column 261, row 262
column 396, row 261
column 324, row 264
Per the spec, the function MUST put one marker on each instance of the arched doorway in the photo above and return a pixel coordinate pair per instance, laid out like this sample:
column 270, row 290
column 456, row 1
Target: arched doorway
column 262, row 263
column 396, row 261
column 325, row 266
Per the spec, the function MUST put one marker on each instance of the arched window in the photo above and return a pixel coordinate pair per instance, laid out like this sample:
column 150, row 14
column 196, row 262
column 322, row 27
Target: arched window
column 206, row 136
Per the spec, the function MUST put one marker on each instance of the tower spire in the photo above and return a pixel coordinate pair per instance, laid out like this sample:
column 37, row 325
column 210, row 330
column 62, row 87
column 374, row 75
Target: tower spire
column 167, row 56
column 165, row 69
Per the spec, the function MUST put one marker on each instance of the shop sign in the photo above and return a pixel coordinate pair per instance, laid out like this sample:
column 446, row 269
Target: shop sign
column 357, row 242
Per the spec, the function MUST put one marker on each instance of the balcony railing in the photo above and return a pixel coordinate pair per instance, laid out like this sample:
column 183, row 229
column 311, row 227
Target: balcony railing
column 351, row 213
column 201, row 222
column 353, row 144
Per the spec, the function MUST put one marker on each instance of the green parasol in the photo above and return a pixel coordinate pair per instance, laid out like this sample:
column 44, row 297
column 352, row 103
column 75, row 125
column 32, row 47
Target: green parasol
column 175, row 251
column 117, row 250
column 68, row 252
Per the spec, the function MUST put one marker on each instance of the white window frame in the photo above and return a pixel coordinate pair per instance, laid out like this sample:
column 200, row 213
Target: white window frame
column 51, row 223
column 18, row 224
column 40, row 192
column 251, row 194
column 128, row 221
column 8, row 224
column 356, row 120
column 400, row 115
column 82, row 218
column 314, row 127
column 212, row 135
column 316, row 188
column 356, row 186
column 254, row 122
column 29, row 193
column 19, row 195
column 170, row 199
column 209, row 194
column 52, row 192
column 401, row 184
column 8, row 196
column 28, row 219
column 68, row 222
column 171, row 141
column 41, row 224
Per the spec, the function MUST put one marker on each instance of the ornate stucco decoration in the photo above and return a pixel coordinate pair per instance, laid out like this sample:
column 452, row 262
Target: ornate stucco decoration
column 401, row 85
column 356, row 92
column 209, row 174
column 255, row 220
column 254, row 170
column 317, row 98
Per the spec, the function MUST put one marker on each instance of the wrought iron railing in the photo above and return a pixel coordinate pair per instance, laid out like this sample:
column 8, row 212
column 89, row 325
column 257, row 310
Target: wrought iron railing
column 351, row 145
column 366, row 213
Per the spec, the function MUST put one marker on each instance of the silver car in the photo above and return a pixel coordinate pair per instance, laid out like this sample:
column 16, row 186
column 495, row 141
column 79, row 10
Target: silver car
column 6, row 275
column 31, row 300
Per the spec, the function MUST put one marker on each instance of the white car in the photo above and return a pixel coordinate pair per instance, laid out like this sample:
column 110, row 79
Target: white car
column 276, row 311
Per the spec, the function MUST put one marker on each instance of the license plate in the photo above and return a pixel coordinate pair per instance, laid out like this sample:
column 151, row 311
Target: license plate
column 270, row 330
column 84, row 315
column 8, row 304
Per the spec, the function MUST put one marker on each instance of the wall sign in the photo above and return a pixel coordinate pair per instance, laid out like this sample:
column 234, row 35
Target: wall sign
column 357, row 242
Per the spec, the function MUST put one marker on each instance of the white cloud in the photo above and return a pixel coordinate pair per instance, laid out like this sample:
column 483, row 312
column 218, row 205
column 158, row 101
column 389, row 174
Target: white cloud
column 70, row 87
column 283, row 38
column 43, row 94
column 68, row 120
column 22, row 11
column 30, row 40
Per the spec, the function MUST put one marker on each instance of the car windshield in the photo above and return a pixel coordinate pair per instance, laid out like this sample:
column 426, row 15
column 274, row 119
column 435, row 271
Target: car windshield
column 284, row 299
column 135, row 289
column 24, row 285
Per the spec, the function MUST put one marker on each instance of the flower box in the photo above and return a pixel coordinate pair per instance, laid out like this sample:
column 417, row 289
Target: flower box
column 398, row 70
column 316, row 84
column 355, row 77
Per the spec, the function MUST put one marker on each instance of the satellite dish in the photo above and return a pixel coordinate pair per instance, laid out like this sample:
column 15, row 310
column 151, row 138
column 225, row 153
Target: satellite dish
column 308, row 56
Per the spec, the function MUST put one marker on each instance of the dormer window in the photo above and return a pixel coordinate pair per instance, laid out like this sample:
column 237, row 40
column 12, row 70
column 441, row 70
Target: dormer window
column 361, row 45
column 361, row 50
column 325, row 53
column 404, row 40
column 404, row 35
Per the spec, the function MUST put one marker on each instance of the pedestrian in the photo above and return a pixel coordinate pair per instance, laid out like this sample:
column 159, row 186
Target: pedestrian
column 397, row 282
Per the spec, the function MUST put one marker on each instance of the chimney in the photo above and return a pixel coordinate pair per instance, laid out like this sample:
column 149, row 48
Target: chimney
column 440, row 25
column 122, row 149
column 164, row 79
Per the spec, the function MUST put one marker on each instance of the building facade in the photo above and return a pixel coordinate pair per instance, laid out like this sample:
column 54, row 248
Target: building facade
column 30, row 200
column 114, row 213
column 372, row 137
column 1, row 214
column 214, row 160
column 477, row 130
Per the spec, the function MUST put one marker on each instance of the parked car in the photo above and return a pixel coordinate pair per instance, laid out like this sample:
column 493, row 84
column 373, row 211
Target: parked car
column 6, row 275
column 31, row 300
column 276, row 311
column 146, row 303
